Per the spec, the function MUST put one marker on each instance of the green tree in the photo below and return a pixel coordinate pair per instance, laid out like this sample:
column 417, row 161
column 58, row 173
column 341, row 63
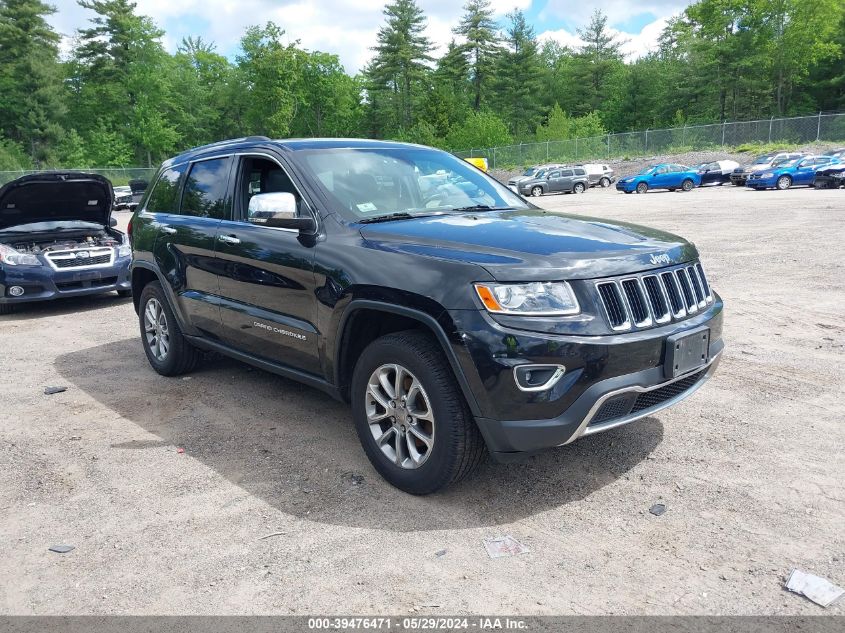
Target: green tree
column 596, row 62
column 402, row 51
column 31, row 99
column 479, row 130
column 481, row 48
column 519, row 75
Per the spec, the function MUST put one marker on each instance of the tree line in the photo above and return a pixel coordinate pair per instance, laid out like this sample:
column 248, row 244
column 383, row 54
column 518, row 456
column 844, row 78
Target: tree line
column 119, row 98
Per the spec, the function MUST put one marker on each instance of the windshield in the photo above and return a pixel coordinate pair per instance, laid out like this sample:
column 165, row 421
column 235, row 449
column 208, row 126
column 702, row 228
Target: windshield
column 369, row 183
column 762, row 160
column 529, row 172
column 786, row 162
column 648, row 170
column 61, row 225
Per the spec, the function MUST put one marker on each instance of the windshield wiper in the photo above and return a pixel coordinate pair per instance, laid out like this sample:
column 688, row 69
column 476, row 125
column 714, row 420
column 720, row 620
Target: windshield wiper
column 402, row 215
column 481, row 207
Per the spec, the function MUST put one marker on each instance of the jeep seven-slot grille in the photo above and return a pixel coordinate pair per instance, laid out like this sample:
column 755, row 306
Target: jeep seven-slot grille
column 654, row 298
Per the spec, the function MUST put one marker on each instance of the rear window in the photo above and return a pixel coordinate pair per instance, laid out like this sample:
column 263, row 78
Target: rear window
column 165, row 195
column 580, row 172
column 206, row 189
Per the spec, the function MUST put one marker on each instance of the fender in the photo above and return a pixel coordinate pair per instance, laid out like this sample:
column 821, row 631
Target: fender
column 426, row 319
column 168, row 291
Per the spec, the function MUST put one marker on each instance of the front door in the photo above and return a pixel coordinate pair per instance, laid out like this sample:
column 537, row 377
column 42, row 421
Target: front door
column 267, row 282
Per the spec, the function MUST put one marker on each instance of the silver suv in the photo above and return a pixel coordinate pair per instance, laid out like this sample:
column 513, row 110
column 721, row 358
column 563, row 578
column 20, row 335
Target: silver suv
column 556, row 180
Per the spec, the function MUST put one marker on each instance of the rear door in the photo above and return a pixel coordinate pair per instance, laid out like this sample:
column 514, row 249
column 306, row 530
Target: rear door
column 187, row 228
column 267, row 281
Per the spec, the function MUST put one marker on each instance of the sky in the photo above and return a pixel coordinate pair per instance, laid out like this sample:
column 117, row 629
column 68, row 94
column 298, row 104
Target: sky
column 348, row 28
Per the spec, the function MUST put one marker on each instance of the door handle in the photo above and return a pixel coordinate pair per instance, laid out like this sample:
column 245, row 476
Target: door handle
column 228, row 239
column 169, row 230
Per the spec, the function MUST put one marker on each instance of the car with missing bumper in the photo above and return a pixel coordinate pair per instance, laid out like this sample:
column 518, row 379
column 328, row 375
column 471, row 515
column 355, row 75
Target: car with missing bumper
column 455, row 317
column 831, row 176
column 662, row 176
column 798, row 172
column 740, row 175
column 57, row 239
column 717, row 172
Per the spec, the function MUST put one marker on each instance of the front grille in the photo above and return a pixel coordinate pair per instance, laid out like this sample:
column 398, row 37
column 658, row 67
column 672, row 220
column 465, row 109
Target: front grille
column 82, row 285
column 71, row 259
column 654, row 298
column 626, row 404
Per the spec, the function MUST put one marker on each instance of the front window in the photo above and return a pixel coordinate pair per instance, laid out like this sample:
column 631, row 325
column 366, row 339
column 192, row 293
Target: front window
column 369, row 183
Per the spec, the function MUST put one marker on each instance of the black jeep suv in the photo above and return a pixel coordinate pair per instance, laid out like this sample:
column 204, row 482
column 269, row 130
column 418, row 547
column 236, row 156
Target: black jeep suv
column 452, row 314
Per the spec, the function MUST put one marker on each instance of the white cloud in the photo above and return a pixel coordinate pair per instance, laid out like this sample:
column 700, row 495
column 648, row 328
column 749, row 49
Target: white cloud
column 635, row 44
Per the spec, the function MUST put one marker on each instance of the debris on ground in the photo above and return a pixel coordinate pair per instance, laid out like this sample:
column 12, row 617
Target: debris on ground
column 816, row 588
column 440, row 553
column 271, row 535
column 75, row 438
column 49, row 391
column 657, row 509
column 180, row 450
column 502, row 546
column 61, row 549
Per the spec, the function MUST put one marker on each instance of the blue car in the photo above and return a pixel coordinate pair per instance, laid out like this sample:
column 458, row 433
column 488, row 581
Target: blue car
column 798, row 172
column 57, row 239
column 663, row 176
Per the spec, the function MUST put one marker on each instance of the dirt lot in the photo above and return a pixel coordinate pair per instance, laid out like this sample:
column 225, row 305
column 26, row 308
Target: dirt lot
column 750, row 468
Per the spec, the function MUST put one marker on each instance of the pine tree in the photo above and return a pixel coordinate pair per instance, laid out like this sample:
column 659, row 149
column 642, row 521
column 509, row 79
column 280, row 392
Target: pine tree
column 31, row 99
column 402, row 53
column 519, row 77
column 479, row 29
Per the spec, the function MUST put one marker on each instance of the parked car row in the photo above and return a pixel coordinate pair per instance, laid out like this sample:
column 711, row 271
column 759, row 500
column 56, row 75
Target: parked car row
column 557, row 178
column 775, row 170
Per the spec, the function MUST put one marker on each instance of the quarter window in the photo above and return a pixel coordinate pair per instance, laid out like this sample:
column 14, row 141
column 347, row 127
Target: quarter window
column 566, row 172
column 206, row 189
column 580, row 172
column 165, row 194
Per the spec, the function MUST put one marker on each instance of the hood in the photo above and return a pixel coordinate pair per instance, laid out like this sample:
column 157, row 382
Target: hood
column 54, row 197
column 533, row 244
column 519, row 179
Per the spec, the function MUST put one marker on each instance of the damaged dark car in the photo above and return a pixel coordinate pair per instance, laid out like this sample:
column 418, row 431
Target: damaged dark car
column 57, row 239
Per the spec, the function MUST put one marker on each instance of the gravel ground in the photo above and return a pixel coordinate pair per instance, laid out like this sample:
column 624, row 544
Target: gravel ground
column 750, row 468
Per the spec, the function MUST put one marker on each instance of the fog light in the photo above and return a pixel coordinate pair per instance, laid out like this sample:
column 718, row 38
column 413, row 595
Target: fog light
column 537, row 377
column 16, row 291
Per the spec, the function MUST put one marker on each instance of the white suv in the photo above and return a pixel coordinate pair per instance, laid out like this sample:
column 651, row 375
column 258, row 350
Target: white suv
column 599, row 174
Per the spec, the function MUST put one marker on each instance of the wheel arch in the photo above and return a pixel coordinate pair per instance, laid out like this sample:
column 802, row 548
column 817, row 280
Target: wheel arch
column 365, row 320
column 143, row 273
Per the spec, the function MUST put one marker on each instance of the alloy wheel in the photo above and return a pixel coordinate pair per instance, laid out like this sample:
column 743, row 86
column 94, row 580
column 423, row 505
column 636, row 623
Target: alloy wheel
column 155, row 329
column 400, row 416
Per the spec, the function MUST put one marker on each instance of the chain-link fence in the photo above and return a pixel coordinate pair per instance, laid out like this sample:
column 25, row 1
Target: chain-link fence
column 793, row 131
column 117, row 175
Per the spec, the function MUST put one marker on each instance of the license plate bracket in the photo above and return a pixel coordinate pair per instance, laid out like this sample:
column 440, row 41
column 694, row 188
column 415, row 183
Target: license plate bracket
column 686, row 352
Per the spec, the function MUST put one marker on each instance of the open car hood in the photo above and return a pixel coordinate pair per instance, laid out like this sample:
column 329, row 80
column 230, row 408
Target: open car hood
column 56, row 196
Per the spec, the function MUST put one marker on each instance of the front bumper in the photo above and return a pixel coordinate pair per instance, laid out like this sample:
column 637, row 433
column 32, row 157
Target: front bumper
column 43, row 283
column 762, row 183
column 609, row 380
column 625, row 186
column 739, row 179
column 827, row 181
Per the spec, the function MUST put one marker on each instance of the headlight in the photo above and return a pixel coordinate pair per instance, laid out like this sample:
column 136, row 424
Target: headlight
column 11, row 257
column 768, row 174
column 124, row 250
column 530, row 299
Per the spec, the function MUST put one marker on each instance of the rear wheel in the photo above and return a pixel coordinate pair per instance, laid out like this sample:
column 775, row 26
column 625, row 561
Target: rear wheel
column 642, row 187
column 168, row 351
column 604, row 182
column 411, row 418
column 579, row 188
column 784, row 182
column 537, row 192
column 688, row 185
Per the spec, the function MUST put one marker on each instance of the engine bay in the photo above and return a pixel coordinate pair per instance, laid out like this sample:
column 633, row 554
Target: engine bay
column 91, row 240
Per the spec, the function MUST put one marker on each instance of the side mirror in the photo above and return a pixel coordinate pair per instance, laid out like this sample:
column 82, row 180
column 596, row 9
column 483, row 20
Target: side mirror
column 112, row 222
column 278, row 210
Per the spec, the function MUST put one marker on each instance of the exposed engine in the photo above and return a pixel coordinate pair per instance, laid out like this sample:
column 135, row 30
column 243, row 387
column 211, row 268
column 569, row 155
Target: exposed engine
column 88, row 241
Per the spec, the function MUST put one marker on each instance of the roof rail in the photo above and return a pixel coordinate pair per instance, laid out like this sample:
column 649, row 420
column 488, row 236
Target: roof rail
column 223, row 143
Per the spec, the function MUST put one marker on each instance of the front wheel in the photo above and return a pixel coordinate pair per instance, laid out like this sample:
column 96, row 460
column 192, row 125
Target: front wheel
column 168, row 351
column 642, row 187
column 604, row 182
column 411, row 418
column 784, row 182
column 688, row 185
column 537, row 192
column 578, row 188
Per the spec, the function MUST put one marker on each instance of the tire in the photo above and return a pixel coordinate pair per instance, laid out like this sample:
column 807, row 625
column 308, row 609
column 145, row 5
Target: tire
column 672, row 189
column 604, row 183
column 179, row 356
column 688, row 185
column 537, row 191
column 124, row 294
column 456, row 446
column 784, row 183
column 579, row 188
column 642, row 187
column 7, row 308
column 629, row 192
